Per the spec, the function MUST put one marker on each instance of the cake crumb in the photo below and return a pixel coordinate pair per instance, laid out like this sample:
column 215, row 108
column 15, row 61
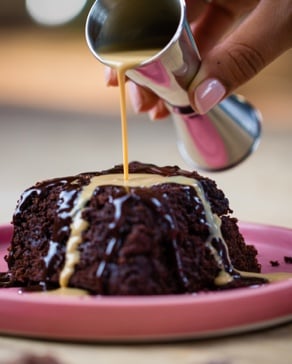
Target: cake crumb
column 288, row 260
column 274, row 263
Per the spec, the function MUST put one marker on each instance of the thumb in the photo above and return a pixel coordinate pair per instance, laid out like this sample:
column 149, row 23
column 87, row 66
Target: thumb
column 262, row 37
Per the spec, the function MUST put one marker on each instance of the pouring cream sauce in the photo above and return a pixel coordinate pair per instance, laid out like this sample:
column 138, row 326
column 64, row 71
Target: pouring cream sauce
column 122, row 61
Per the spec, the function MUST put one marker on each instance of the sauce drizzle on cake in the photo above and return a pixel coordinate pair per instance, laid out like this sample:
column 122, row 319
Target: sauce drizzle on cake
column 79, row 225
column 166, row 231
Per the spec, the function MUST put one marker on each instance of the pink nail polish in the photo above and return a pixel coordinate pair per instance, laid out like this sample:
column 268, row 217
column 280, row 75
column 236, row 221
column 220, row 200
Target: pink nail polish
column 135, row 96
column 107, row 75
column 208, row 94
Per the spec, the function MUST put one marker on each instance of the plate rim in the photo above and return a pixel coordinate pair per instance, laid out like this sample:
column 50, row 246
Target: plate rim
column 173, row 297
column 148, row 304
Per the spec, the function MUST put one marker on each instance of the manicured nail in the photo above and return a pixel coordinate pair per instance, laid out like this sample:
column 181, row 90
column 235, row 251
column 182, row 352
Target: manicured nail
column 110, row 77
column 208, row 94
column 135, row 96
column 107, row 75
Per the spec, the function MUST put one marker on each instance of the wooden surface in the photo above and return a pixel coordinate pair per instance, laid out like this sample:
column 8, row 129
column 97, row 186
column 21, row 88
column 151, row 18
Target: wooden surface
column 58, row 118
column 268, row 347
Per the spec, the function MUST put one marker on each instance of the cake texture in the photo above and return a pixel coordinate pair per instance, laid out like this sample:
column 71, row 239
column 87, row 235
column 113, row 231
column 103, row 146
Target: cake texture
column 167, row 231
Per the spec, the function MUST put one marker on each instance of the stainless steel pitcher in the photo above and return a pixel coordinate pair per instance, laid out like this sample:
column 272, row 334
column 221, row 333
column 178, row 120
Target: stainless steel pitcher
column 218, row 140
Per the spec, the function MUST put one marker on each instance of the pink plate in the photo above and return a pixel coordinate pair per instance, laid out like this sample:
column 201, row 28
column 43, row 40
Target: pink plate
column 86, row 318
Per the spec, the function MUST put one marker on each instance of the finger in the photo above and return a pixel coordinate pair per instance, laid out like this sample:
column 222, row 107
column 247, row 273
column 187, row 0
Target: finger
column 235, row 7
column 242, row 55
column 159, row 111
column 194, row 9
column 142, row 99
column 217, row 19
column 110, row 75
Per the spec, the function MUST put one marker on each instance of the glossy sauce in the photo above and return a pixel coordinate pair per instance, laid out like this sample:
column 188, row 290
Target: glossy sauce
column 79, row 225
column 220, row 253
column 122, row 61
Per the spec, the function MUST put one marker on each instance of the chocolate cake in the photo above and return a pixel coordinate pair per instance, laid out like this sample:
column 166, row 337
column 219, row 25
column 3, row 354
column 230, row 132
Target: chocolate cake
column 166, row 231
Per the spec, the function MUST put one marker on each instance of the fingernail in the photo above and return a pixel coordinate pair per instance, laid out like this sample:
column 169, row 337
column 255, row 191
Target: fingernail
column 107, row 75
column 208, row 94
column 159, row 111
column 152, row 114
column 110, row 76
column 135, row 96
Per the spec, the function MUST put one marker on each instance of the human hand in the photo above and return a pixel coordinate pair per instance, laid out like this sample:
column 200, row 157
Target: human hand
column 236, row 40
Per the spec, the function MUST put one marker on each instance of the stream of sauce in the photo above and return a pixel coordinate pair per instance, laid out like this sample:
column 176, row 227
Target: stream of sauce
column 122, row 61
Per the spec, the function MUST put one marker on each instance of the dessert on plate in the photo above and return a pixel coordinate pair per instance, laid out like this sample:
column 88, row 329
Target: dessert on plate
column 164, row 231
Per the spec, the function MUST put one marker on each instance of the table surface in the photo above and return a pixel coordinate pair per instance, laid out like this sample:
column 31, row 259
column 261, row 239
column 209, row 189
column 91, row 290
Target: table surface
column 39, row 142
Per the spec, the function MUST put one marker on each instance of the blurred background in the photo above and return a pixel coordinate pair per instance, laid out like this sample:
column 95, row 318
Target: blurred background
column 58, row 118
